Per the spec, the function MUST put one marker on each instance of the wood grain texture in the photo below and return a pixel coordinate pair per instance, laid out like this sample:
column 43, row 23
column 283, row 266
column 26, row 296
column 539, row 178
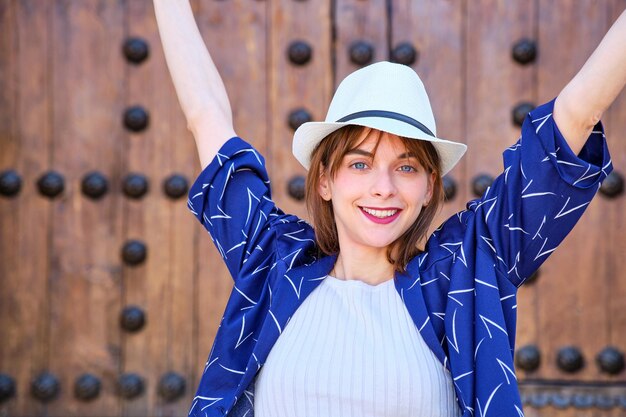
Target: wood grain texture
column 235, row 33
column 84, row 282
column 573, row 290
column 292, row 87
column 25, row 218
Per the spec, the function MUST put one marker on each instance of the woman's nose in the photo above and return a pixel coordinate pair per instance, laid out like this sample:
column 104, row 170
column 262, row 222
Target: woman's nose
column 383, row 185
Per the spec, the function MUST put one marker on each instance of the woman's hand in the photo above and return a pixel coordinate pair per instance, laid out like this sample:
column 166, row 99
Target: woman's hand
column 584, row 99
column 198, row 85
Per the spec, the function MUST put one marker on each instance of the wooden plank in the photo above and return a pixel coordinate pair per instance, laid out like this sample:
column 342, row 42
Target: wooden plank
column 615, row 124
column 235, row 34
column 149, row 285
column 84, row 277
column 295, row 86
column 23, row 242
column 354, row 21
column 495, row 84
column 574, row 288
column 440, row 65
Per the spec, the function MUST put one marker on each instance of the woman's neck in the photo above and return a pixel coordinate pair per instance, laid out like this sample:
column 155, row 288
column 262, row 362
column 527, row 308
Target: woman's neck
column 371, row 268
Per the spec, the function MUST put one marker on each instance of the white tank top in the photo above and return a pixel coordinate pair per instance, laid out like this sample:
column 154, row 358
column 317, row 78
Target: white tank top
column 351, row 349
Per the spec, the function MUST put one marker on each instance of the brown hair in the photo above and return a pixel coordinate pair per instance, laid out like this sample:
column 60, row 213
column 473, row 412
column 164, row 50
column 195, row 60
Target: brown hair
column 327, row 157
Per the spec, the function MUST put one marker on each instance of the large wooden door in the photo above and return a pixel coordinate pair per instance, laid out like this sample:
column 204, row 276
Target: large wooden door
column 102, row 267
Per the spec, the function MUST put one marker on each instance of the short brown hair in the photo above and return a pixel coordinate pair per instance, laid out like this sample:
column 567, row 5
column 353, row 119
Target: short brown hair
column 327, row 157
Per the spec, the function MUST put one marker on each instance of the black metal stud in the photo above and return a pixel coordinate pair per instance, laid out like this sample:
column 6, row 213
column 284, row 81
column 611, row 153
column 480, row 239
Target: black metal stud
column 130, row 385
column 528, row 358
column 570, row 359
column 7, row 387
column 51, row 184
column 480, row 184
column 136, row 118
column 135, row 185
column 45, row 387
column 134, row 252
column 361, row 53
column 533, row 277
column 86, row 387
column 132, row 318
column 520, row 111
column 613, row 185
column 449, row 188
column 136, row 50
column 404, row 53
column 94, row 185
column 298, row 117
column 171, row 386
column 299, row 52
column 296, row 187
column 610, row 360
column 10, row 183
column 524, row 51
column 175, row 186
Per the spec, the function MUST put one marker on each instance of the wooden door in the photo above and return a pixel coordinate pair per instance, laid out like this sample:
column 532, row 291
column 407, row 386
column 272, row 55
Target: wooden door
column 104, row 273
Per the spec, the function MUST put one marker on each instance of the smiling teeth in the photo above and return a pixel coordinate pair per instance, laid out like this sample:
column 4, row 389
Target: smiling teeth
column 380, row 213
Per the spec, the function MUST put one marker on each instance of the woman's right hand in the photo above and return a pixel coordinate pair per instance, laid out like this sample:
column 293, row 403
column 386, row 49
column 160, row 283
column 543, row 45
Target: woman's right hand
column 198, row 85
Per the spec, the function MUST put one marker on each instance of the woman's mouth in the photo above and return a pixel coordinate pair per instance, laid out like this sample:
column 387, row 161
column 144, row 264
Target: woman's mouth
column 380, row 216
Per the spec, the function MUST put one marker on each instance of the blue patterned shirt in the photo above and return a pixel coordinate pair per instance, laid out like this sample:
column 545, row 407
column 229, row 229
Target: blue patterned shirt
column 460, row 292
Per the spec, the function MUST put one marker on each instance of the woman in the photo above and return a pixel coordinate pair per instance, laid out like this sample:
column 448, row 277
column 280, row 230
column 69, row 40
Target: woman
column 353, row 319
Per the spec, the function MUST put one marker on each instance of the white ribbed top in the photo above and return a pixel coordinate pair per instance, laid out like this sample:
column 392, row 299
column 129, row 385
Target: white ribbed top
column 351, row 349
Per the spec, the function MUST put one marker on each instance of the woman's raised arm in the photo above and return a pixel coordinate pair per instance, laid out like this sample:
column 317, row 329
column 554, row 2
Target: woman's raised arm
column 199, row 87
column 584, row 99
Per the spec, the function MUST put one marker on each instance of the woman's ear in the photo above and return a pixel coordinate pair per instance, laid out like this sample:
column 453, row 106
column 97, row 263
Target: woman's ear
column 324, row 186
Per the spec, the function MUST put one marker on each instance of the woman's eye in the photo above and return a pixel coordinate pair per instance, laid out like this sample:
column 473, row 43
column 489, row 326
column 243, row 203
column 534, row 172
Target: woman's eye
column 407, row 168
column 359, row 165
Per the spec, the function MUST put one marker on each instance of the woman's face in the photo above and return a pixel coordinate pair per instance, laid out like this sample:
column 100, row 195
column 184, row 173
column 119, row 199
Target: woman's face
column 376, row 198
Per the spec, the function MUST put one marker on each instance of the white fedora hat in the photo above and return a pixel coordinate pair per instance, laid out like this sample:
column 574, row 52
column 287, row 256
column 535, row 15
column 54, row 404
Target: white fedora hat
column 385, row 96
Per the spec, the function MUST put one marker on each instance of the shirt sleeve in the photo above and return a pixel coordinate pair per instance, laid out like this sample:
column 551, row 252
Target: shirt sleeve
column 232, row 199
column 539, row 197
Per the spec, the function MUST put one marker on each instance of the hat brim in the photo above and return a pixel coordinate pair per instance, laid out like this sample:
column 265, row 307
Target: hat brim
column 310, row 134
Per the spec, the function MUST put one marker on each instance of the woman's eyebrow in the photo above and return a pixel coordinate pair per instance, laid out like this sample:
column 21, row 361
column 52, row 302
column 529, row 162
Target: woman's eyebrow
column 360, row 152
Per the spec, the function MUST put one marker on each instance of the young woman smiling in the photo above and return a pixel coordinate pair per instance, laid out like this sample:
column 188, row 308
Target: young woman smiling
column 348, row 317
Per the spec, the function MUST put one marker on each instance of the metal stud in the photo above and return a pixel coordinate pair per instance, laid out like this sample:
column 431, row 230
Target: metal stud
column 539, row 399
column 86, row 387
column 404, row 53
column 361, row 53
column 570, row 359
column 296, row 187
column 610, row 360
column 45, row 387
column 449, row 188
column 130, row 385
column 51, row 184
column 136, row 50
column 134, row 252
column 171, row 386
column 613, row 185
column 520, row 111
column 524, row 51
column 605, row 402
column 10, row 183
column 561, row 401
column 299, row 52
column 94, row 185
column 7, row 387
column 528, row 358
column 480, row 184
column 175, row 186
column 298, row 117
column 136, row 118
column 132, row 318
column 135, row 185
